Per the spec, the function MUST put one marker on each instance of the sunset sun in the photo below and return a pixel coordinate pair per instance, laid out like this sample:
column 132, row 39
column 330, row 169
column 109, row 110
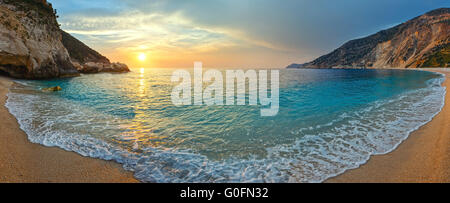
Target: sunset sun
column 142, row 57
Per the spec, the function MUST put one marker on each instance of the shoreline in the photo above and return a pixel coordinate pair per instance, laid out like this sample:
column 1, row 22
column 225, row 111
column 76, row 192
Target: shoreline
column 22, row 161
column 423, row 157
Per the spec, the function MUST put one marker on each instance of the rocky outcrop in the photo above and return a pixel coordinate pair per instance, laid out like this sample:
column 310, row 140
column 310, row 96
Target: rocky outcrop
column 32, row 46
column 30, row 41
column 97, row 67
column 295, row 65
column 420, row 42
column 87, row 60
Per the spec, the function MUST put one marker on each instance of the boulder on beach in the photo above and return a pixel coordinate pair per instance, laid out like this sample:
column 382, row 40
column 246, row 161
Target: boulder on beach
column 52, row 89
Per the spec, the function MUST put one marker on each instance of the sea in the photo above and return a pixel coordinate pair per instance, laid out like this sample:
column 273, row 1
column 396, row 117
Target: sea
column 329, row 121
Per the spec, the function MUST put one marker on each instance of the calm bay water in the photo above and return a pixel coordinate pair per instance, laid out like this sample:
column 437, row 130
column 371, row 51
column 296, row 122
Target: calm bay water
column 329, row 121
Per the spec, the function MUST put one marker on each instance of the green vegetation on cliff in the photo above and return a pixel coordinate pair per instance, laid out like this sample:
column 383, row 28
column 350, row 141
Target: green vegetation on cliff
column 441, row 58
column 44, row 10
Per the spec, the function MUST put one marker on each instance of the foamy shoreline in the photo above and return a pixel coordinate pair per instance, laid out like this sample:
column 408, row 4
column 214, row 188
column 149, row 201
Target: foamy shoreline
column 422, row 157
column 23, row 161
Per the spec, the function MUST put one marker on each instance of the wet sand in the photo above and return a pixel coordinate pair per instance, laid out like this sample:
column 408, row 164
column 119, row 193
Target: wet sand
column 23, row 161
column 423, row 157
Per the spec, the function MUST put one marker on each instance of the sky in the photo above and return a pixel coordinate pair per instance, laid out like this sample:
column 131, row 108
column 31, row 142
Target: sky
column 228, row 33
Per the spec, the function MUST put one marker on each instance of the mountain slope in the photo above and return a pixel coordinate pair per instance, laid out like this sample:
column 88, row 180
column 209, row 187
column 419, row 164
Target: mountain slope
column 87, row 60
column 420, row 42
column 79, row 52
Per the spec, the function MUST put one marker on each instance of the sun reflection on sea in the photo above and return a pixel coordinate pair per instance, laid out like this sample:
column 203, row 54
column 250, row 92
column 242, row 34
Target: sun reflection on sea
column 142, row 127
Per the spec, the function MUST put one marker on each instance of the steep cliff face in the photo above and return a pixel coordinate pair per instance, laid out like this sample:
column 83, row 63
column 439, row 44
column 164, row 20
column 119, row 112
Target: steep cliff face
column 87, row 60
column 420, row 42
column 32, row 45
column 30, row 41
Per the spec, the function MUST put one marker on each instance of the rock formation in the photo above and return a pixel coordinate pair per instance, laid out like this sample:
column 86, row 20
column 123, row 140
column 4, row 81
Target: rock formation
column 30, row 41
column 32, row 46
column 420, row 42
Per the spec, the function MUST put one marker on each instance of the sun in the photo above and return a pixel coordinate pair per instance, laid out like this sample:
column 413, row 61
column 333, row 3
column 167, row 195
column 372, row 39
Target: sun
column 142, row 57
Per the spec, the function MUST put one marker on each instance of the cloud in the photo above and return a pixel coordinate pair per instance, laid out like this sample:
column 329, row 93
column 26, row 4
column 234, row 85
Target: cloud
column 134, row 29
column 285, row 31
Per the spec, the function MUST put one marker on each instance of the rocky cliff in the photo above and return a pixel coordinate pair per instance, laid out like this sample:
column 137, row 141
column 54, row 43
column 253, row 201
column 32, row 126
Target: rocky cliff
column 30, row 41
column 420, row 42
column 32, row 45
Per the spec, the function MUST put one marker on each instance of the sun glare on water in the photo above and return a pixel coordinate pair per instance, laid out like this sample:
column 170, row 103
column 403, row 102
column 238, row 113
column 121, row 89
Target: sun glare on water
column 142, row 57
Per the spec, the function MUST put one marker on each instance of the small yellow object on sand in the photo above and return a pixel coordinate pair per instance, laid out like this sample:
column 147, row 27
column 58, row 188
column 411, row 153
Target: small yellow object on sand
column 52, row 89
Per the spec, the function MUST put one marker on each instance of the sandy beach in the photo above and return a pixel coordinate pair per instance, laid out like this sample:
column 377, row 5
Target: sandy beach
column 23, row 161
column 424, row 157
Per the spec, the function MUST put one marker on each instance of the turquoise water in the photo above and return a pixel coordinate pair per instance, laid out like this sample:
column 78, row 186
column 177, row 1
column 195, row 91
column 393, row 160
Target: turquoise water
column 329, row 121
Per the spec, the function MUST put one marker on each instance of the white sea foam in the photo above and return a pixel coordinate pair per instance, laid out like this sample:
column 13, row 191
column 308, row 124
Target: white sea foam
column 349, row 142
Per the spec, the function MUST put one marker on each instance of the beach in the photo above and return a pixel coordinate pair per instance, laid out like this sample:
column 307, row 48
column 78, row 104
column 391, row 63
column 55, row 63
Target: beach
column 23, row 161
column 424, row 157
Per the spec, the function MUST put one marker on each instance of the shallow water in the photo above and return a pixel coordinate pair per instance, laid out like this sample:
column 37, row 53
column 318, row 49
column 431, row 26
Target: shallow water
column 329, row 121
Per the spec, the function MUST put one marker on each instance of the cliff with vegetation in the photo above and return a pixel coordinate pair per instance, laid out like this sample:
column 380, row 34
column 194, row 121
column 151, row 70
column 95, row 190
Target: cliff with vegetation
column 31, row 44
column 420, row 42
